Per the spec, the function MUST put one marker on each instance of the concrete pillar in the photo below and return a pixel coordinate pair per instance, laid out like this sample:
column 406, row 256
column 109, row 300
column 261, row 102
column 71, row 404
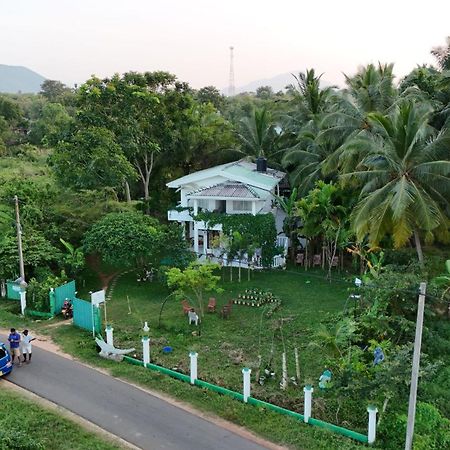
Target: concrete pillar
column 23, row 301
column 372, row 431
column 246, row 372
column 109, row 335
column 146, row 349
column 193, row 356
column 195, row 238
column 195, row 206
column 308, row 390
column 205, row 241
column 254, row 208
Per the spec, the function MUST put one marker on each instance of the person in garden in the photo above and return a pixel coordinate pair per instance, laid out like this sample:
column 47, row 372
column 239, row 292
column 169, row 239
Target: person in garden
column 14, row 345
column 26, row 345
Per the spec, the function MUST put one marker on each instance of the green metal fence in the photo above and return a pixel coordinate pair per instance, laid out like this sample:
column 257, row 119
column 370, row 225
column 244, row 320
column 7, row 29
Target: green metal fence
column 12, row 290
column 86, row 316
column 66, row 291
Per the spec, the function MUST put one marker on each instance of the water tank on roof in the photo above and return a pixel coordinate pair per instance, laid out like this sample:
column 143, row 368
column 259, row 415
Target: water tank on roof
column 261, row 164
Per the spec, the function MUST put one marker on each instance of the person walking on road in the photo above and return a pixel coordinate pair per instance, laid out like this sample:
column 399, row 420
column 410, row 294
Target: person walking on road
column 14, row 345
column 26, row 345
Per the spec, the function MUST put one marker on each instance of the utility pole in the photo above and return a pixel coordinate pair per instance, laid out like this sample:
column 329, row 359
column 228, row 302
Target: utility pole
column 19, row 239
column 415, row 368
column 23, row 284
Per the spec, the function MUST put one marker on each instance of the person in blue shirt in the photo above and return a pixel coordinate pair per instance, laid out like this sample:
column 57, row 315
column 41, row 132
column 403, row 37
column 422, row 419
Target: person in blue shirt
column 14, row 345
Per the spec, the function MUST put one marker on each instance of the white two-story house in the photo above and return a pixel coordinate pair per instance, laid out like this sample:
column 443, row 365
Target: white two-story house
column 239, row 187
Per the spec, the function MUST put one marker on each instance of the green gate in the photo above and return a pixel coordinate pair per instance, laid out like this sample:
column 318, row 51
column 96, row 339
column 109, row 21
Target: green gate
column 84, row 313
column 66, row 291
column 12, row 290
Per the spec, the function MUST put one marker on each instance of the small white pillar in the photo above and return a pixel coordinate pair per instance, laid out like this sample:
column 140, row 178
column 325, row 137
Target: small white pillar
column 146, row 349
column 254, row 208
column 205, row 241
column 193, row 356
column 23, row 301
column 246, row 372
column 308, row 390
column 109, row 335
column 195, row 206
column 196, row 238
column 372, row 431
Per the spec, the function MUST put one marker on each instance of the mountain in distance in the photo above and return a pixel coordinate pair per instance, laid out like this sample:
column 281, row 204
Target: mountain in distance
column 277, row 83
column 14, row 79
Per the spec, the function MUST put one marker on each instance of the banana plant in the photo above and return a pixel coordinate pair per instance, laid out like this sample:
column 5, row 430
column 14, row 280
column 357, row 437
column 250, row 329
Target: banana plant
column 444, row 280
column 73, row 258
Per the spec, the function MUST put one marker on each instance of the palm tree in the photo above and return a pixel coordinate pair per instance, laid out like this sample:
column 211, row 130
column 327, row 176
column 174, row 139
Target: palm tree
column 309, row 99
column 405, row 177
column 303, row 158
column 370, row 90
column 257, row 134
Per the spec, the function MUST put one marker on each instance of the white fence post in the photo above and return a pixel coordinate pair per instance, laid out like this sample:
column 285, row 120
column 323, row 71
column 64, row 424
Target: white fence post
column 146, row 349
column 23, row 301
column 193, row 356
column 109, row 335
column 308, row 390
column 372, row 431
column 246, row 373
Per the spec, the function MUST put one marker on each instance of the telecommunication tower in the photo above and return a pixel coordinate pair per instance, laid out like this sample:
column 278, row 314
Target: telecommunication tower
column 231, row 88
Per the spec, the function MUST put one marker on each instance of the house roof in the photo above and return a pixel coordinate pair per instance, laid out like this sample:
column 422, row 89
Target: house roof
column 241, row 171
column 230, row 189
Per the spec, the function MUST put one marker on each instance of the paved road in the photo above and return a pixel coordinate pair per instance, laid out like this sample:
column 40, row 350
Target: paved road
column 140, row 418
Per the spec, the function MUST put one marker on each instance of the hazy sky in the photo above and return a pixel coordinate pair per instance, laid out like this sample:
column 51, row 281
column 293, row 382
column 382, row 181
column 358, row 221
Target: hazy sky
column 70, row 40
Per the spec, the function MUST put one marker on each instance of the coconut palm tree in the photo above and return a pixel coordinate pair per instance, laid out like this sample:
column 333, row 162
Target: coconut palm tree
column 257, row 134
column 405, row 177
column 370, row 90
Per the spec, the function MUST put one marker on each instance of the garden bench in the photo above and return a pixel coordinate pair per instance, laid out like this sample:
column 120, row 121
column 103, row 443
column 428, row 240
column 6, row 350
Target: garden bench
column 212, row 305
column 110, row 352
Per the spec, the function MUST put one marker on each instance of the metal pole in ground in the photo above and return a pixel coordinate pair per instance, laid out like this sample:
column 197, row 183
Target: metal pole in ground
column 415, row 368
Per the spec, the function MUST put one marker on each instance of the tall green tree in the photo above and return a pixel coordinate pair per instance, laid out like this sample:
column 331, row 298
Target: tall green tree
column 90, row 159
column 405, row 178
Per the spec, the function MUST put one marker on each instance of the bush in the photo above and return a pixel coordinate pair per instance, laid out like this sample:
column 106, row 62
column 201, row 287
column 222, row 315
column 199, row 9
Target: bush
column 431, row 430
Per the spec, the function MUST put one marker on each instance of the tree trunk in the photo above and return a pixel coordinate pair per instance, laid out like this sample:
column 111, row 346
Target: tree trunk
column 418, row 247
column 127, row 192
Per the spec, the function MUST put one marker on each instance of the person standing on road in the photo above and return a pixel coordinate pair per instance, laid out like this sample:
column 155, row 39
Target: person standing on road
column 14, row 345
column 26, row 345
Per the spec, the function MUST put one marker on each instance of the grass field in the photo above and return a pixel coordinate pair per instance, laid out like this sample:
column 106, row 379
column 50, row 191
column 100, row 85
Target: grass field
column 225, row 346
column 26, row 425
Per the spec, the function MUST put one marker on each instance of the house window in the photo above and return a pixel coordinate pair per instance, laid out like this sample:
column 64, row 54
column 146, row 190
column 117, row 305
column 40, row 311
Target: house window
column 241, row 205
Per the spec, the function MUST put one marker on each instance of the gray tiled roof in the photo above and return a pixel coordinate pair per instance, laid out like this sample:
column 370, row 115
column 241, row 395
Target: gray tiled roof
column 231, row 189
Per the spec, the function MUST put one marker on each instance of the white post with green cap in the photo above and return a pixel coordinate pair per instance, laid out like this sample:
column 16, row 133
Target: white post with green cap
column 372, row 431
column 109, row 335
column 246, row 372
column 308, row 390
column 193, row 356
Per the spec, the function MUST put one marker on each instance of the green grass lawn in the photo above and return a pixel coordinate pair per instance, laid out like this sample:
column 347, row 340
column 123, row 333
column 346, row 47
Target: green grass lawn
column 227, row 345
column 25, row 424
